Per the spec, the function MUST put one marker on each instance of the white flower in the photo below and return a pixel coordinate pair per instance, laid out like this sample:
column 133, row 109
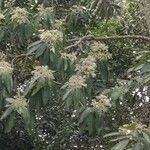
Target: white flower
column 87, row 66
column 58, row 24
column 51, row 37
column 76, row 82
column 101, row 103
column 2, row 56
column 20, row 15
column 43, row 12
column 5, row 68
column 72, row 56
column 17, row 102
column 132, row 128
column 99, row 51
column 43, row 72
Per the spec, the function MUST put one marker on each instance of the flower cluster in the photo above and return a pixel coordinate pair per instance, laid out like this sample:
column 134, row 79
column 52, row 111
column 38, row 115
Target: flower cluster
column 2, row 18
column 45, row 11
column 43, row 72
column 2, row 56
column 72, row 56
column 99, row 51
column 87, row 67
column 101, row 103
column 51, row 37
column 5, row 68
column 17, row 102
column 20, row 15
column 75, row 82
column 9, row 3
column 132, row 128
column 58, row 24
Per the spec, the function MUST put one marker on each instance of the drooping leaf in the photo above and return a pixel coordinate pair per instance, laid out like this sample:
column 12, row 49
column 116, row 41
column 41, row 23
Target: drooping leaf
column 146, row 136
column 85, row 113
column 146, row 67
column 111, row 134
column 10, row 122
column 7, row 112
column 121, row 145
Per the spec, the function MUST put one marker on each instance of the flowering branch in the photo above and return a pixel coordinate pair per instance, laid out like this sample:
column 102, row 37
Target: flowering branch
column 105, row 38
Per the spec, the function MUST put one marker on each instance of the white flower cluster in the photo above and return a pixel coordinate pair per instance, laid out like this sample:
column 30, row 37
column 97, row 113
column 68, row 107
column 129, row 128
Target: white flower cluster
column 2, row 18
column 5, row 68
column 101, row 103
column 51, row 37
column 43, row 12
column 43, row 72
column 99, row 51
column 75, row 82
column 132, row 128
column 87, row 67
column 20, row 15
column 58, row 24
column 2, row 56
column 17, row 102
column 9, row 3
column 69, row 56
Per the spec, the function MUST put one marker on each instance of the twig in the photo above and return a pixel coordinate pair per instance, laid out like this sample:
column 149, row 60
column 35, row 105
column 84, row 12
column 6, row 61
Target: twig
column 19, row 56
column 105, row 38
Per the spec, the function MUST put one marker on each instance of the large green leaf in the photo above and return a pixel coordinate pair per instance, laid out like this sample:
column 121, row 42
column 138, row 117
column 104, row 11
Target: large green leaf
column 7, row 112
column 111, row 134
column 10, row 122
column 9, row 82
column 138, row 146
column 46, row 95
column 67, row 94
column 121, row 145
column 85, row 114
column 26, row 115
column 34, row 47
column 146, row 136
column 146, row 67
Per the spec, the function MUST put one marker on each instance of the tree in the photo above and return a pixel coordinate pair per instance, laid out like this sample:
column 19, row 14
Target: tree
column 72, row 83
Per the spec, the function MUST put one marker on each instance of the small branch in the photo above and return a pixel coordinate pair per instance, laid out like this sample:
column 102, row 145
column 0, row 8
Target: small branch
column 105, row 38
column 19, row 56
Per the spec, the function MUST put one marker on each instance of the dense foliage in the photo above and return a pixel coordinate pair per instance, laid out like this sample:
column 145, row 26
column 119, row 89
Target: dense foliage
column 74, row 75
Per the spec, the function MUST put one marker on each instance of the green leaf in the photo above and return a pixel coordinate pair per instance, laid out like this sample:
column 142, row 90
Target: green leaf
column 34, row 44
column 66, row 94
column 146, row 67
column 34, row 47
column 26, row 115
column 2, row 34
column 45, row 95
column 138, row 146
column 121, row 145
column 111, row 134
column 85, row 113
column 90, row 123
column 9, row 123
column 104, row 71
column 40, row 50
column 120, row 138
column 38, row 86
column 146, row 137
column 31, row 86
column 9, row 83
column 7, row 112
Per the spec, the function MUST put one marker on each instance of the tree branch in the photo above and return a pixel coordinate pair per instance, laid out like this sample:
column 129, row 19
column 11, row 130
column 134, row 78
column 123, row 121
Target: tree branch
column 105, row 38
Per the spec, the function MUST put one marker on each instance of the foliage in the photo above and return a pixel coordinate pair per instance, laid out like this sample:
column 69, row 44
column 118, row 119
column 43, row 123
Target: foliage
column 65, row 90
